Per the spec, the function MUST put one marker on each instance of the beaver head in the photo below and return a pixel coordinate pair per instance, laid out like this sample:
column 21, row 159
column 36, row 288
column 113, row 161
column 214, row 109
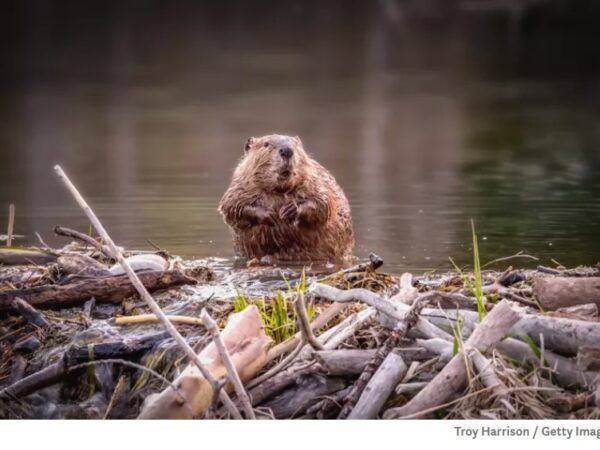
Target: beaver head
column 274, row 162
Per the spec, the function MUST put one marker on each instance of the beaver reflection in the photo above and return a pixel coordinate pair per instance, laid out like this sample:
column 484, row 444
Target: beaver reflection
column 283, row 204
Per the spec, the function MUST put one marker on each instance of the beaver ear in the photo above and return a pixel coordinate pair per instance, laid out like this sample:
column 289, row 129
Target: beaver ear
column 249, row 143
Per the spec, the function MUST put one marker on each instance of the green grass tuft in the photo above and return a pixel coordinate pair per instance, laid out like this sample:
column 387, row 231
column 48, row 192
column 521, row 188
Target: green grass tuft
column 277, row 315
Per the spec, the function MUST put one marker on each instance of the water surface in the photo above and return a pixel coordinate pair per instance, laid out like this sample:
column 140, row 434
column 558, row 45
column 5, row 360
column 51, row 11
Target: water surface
column 427, row 118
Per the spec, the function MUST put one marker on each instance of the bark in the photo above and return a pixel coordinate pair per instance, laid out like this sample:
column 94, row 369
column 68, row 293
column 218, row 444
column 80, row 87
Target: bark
column 559, row 292
column 17, row 257
column 110, row 289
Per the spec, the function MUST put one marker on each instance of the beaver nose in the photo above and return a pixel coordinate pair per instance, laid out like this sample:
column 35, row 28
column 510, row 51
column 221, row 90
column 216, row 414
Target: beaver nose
column 286, row 152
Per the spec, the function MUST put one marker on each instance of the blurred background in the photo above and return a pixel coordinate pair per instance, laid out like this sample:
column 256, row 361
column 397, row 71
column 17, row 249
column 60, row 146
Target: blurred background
column 428, row 112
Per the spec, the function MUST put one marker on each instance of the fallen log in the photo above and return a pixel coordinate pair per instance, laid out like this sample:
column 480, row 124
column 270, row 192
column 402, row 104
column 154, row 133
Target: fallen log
column 559, row 292
column 247, row 344
column 109, row 289
column 453, row 376
column 19, row 257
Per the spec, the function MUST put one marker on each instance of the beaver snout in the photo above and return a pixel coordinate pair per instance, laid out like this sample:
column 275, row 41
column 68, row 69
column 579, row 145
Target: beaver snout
column 286, row 152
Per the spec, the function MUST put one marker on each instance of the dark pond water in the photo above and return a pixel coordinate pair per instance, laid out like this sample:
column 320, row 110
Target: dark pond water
column 428, row 114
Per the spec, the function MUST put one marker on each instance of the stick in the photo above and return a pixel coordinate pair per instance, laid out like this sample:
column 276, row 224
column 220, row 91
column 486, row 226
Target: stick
column 232, row 373
column 453, row 376
column 333, row 310
column 11, row 224
column 144, row 294
column 67, row 232
column 392, row 341
column 152, row 318
column 305, row 324
column 379, row 387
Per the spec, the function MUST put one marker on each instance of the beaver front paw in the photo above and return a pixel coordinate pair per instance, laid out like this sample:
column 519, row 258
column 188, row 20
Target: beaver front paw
column 257, row 215
column 289, row 211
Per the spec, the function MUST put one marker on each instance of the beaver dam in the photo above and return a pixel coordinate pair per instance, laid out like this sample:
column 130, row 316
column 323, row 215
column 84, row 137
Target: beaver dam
column 92, row 330
column 76, row 341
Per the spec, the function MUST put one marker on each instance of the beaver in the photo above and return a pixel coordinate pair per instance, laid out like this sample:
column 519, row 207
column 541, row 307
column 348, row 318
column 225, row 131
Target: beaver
column 283, row 205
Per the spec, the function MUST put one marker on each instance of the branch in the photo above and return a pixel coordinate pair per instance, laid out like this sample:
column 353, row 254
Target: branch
column 144, row 294
column 233, row 375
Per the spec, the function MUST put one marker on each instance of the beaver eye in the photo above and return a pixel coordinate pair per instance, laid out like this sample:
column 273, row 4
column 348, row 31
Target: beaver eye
column 266, row 144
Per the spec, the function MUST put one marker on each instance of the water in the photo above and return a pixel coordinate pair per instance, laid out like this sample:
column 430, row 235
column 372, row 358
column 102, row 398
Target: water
column 427, row 114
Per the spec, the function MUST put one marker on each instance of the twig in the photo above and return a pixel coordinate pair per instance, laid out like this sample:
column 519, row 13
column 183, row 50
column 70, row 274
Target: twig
column 45, row 246
column 67, row 232
column 152, row 318
column 187, row 349
column 506, row 258
column 119, row 388
column 375, row 262
column 331, row 312
column 11, row 224
column 305, row 324
column 233, row 375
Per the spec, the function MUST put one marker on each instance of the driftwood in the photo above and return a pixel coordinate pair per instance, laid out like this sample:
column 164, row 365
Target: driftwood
column 562, row 335
column 344, row 362
column 453, row 376
column 379, row 387
column 559, row 292
column 281, row 381
column 391, row 342
column 17, row 257
column 247, row 344
column 396, row 311
column 110, row 289
column 563, row 370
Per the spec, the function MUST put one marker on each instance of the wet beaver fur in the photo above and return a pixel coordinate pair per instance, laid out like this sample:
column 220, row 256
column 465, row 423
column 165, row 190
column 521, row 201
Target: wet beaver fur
column 282, row 204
